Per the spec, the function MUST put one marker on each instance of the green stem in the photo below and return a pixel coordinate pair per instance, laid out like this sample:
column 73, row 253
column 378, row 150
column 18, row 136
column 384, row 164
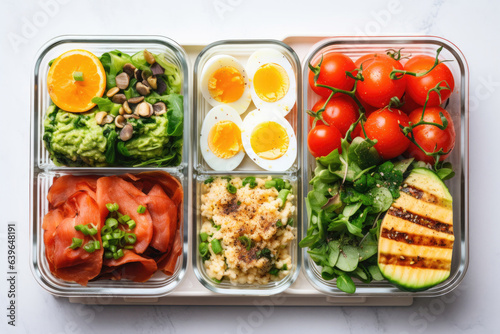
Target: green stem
column 398, row 74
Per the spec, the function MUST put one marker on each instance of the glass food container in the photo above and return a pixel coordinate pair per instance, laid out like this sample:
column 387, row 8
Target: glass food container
column 356, row 47
column 43, row 170
column 241, row 50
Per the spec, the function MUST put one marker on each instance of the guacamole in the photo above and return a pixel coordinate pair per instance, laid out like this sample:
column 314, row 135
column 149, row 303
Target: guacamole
column 77, row 140
column 74, row 139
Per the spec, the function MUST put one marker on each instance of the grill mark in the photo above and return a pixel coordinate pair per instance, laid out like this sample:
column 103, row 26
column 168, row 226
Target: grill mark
column 416, row 239
column 420, row 220
column 414, row 262
column 423, row 195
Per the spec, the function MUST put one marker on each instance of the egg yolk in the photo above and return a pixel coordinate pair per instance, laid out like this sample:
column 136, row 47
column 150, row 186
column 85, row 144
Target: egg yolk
column 226, row 85
column 224, row 139
column 269, row 140
column 271, row 82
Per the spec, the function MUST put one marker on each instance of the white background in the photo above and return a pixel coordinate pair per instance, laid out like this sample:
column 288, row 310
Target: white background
column 472, row 25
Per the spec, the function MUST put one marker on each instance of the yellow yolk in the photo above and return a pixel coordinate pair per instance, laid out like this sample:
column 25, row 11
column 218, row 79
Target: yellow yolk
column 269, row 140
column 226, row 85
column 224, row 139
column 271, row 82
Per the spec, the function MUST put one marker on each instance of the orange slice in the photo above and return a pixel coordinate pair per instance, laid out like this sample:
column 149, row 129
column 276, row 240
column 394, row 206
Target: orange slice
column 66, row 91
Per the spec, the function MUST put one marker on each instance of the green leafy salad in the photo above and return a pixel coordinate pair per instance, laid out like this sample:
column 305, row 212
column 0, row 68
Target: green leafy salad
column 137, row 122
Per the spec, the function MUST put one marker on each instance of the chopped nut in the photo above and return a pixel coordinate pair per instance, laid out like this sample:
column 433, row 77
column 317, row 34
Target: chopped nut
column 120, row 121
column 129, row 69
column 127, row 108
column 119, row 98
column 99, row 117
column 122, row 80
column 127, row 132
column 112, row 91
column 149, row 57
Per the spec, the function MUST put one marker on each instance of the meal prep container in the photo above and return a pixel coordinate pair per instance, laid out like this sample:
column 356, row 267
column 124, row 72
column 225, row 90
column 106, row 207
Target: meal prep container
column 43, row 169
column 190, row 285
column 241, row 50
column 356, row 47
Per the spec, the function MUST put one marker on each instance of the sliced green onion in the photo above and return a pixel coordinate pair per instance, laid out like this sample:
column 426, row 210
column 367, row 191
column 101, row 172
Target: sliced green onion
column 209, row 180
column 141, row 209
column 203, row 236
column 203, row 248
column 106, row 230
column 75, row 243
column 113, row 248
column 97, row 244
column 120, row 253
column 107, row 237
column 279, row 223
column 290, row 222
column 250, row 180
column 78, row 76
column 111, row 207
column 79, row 227
column 93, row 230
column 131, row 238
column 239, row 202
column 89, row 247
column 124, row 219
column 218, row 281
column 108, row 254
column 216, row 246
column 105, row 244
column 217, row 227
column 274, row 271
column 117, row 234
column 131, row 224
column 246, row 241
column 115, row 256
column 230, row 188
column 287, row 185
column 228, row 178
column 128, row 247
column 116, row 207
column 283, row 194
column 111, row 223
column 285, row 267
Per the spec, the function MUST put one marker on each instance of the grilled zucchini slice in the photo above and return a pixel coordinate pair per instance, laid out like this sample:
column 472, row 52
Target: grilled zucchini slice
column 416, row 234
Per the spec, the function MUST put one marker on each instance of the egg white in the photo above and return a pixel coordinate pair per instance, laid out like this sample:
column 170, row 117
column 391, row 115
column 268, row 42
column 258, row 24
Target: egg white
column 212, row 65
column 257, row 117
column 215, row 115
column 266, row 56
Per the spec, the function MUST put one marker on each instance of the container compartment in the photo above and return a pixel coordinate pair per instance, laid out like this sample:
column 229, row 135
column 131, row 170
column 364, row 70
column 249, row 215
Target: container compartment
column 458, row 185
column 242, row 50
column 98, row 45
column 159, row 285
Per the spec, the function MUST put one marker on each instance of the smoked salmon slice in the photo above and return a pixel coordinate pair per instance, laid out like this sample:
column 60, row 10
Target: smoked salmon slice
column 131, row 266
column 112, row 189
column 81, row 200
column 69, row 264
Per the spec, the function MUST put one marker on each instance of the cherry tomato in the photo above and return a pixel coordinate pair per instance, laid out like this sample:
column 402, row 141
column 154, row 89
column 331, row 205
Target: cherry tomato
column 378, row 88
column 408, row 104
column 341, row 111
column 332, row 73
column 323, row 139
column 383, row 125
column 430, row 137
column 417, row 87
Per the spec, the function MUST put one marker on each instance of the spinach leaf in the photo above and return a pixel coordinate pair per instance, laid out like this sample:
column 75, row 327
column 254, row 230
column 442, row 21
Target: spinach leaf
column 110, row 153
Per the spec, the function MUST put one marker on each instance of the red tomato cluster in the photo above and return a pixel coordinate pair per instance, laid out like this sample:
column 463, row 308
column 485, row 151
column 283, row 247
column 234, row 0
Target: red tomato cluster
column 374, row 93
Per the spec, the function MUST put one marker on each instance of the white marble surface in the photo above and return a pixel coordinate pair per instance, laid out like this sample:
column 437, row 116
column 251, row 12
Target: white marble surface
column 472, row 25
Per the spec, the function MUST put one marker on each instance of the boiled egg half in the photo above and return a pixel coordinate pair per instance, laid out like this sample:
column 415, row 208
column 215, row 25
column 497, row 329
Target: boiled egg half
column 269, row 140
column 224, row 81
column 220, row 139
column 272, row 80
